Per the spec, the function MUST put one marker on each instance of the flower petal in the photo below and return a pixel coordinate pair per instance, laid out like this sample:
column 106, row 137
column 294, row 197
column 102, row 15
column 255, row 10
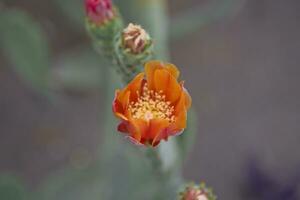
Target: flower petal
column 172, row 69
column 180, row 113
column 134, row 87
column 125, row 102
column 150, row 68
column 147, row 132
column 125, row 96
column 122, row 127
column 161, row 80
column 172, row 130
column 156, row 127
column 188, row 99
column 117, row 107
column 164, row 81
column 180, row 122
column 134, row 141
column 137, row 128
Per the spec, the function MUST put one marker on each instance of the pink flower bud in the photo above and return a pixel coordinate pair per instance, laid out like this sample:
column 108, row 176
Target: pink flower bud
column 99, row 11
column 197, row 192
column 192, row 193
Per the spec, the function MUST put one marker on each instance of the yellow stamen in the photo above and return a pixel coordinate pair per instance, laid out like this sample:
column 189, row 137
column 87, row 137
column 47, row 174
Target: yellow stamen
column 152, row 105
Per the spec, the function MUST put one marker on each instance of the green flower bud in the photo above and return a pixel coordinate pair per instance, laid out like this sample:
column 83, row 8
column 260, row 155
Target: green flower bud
column 134, row 47
column 103, row 23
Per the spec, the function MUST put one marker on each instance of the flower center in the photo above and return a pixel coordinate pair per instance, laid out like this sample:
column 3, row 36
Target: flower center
column 152, row 105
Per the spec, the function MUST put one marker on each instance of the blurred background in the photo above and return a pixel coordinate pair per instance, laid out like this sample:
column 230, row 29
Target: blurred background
column 239, row 59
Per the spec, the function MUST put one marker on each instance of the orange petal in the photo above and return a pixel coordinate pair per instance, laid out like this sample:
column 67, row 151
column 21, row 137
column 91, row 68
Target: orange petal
column 134, row 86
column 180, row 113
column 188, row 98
column 125, row 102
column 164, row 81
column 161, row 79
column 172, row 69
column 125, row 96
column 176, row 127
column 180, row 121
column 156, row 127
column 150, row 68
column 116, row 105
column 117, row 108
column 174, row 90
column 137, row 128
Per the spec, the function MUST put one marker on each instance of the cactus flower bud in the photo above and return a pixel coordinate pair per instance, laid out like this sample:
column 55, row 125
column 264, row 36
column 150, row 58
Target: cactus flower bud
column 134, row 47
column 195, row 192
column 99, row 11
column 135, row 38
column 104, row 24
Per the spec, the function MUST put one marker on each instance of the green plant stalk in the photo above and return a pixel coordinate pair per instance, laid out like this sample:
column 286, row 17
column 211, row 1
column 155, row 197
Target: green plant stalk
column 156, row 162
column 152, row 15
column 111, row 141
column 103, row 36
column 169, row 180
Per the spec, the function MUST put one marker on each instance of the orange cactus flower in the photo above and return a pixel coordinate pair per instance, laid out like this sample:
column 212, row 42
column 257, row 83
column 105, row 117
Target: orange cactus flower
column 153, row 106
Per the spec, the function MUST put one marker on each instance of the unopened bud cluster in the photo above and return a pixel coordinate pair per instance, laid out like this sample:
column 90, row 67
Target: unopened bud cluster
column 130, row 48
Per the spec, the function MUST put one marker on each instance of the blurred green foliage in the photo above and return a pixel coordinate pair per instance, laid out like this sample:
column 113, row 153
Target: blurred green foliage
column 79, row 69
column 72, row 183
column 12, row 188
column 26, row 47
column 73, row 10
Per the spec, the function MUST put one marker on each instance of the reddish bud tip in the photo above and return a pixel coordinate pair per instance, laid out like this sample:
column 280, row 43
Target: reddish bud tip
column 197, row 192
column 98, row 11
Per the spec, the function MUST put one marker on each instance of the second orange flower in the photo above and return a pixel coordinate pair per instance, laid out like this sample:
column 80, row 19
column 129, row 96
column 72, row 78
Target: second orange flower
column 153, row 106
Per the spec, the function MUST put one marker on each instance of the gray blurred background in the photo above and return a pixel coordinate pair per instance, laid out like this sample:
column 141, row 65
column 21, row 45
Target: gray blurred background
column 242, row 70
